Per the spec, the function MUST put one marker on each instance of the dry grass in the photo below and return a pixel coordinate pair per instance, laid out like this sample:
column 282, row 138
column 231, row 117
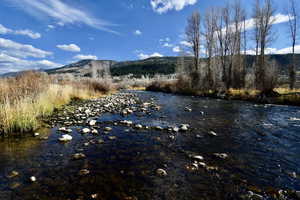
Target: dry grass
column 30, row 96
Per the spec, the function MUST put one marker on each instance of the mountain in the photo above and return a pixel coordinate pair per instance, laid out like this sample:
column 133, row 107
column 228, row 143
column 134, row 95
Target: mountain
column 84, row 68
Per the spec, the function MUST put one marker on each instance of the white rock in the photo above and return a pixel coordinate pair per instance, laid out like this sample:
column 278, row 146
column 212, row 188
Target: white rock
column 65, row 138
column 33, row 179
column 202, row 164
column 221, row 155
column 184, row 127
column 212, row 133
column 86, row 130
column 92, row 122
column 107, row 128
column 138, row 126
column 198, row 157
column 161, row 172
column 36, row 134
column 94, row 131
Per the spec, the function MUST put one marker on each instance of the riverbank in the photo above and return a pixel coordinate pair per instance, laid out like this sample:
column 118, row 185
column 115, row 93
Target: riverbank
column 32, row 96
column 280, row 96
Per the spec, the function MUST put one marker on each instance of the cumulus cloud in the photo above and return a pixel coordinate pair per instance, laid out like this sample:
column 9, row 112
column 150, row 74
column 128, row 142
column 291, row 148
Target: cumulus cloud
column 25, row 32
column 13, row 64
column 186, row 43
column 145, row 56
column 250, row 23
column 19, row 50
column 285, row 50
column 69, row 47
column 176, row 49
column 162, row 6
column 62, row 12
column 167, row 45
column 85, row 57
column 137, row 32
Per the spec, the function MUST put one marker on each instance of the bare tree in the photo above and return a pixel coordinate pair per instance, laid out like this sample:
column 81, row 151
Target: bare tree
column 293, row 25
column 193, row 36
column 223, row 33
column 263, row 24
column 209, row 35
column 236, row 60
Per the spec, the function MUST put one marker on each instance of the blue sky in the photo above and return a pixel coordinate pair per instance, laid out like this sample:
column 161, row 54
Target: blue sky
column 49, row 33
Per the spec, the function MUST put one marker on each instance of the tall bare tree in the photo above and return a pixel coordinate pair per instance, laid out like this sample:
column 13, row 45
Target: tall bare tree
column 264, row 19
column 293, row 25
column 223, row 35
column 193, row 36
column 209, row 35
column 236, row 60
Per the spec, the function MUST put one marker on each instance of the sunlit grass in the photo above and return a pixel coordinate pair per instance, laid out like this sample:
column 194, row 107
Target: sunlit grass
column 24, row 101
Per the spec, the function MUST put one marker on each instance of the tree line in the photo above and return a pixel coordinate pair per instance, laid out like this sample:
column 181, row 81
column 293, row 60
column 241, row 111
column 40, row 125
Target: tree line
column 222, row 34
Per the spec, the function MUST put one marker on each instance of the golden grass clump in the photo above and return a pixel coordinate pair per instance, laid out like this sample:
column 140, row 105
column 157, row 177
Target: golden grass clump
column 32, row 95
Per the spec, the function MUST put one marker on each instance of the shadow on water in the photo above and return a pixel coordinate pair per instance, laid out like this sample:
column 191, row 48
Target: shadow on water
column 262, row 142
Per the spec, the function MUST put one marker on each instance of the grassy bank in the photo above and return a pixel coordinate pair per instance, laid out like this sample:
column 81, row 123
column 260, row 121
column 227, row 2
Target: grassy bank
column 283, row 96
column 31, row 96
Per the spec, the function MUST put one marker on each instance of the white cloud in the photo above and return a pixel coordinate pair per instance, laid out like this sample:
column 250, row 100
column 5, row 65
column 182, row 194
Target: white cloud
column 51, row 26
column 167, row 45
column 85, row 57
column 15, row 49
column 145, row 56
column 137, row 32
column 28, row 33
column 12, row 64
column 176, row 49
column 25, row 32
column 69, row 47
column 162, row 6
column 4, row 30
column 185, row 43
column 286, row 50
column 62, row 12
column 250, row 23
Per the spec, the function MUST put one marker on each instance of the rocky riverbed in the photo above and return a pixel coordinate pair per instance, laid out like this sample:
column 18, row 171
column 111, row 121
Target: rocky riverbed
column 143, row 145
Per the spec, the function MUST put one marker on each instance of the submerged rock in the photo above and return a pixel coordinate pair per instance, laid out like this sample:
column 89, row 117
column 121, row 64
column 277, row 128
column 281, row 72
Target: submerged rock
column 107, row 128
column 221, row 155
column 78, row 156
column 83, row 172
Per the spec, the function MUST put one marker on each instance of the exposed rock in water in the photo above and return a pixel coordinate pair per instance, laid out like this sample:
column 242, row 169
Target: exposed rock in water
column 65, row 138
column 184, row 127
column 32, row 179
column 13, row 174
column 212, row 133
column 86, row 130
column 161, row 172
column 83, row 172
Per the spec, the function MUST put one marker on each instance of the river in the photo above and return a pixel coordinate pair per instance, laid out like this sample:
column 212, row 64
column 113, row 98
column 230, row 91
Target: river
column 261, row 142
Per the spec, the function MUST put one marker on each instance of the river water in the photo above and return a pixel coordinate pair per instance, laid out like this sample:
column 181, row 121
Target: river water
column 262, row 143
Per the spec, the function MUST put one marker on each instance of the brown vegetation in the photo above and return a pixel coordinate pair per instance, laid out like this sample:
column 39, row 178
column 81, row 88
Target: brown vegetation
column 31, row 95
